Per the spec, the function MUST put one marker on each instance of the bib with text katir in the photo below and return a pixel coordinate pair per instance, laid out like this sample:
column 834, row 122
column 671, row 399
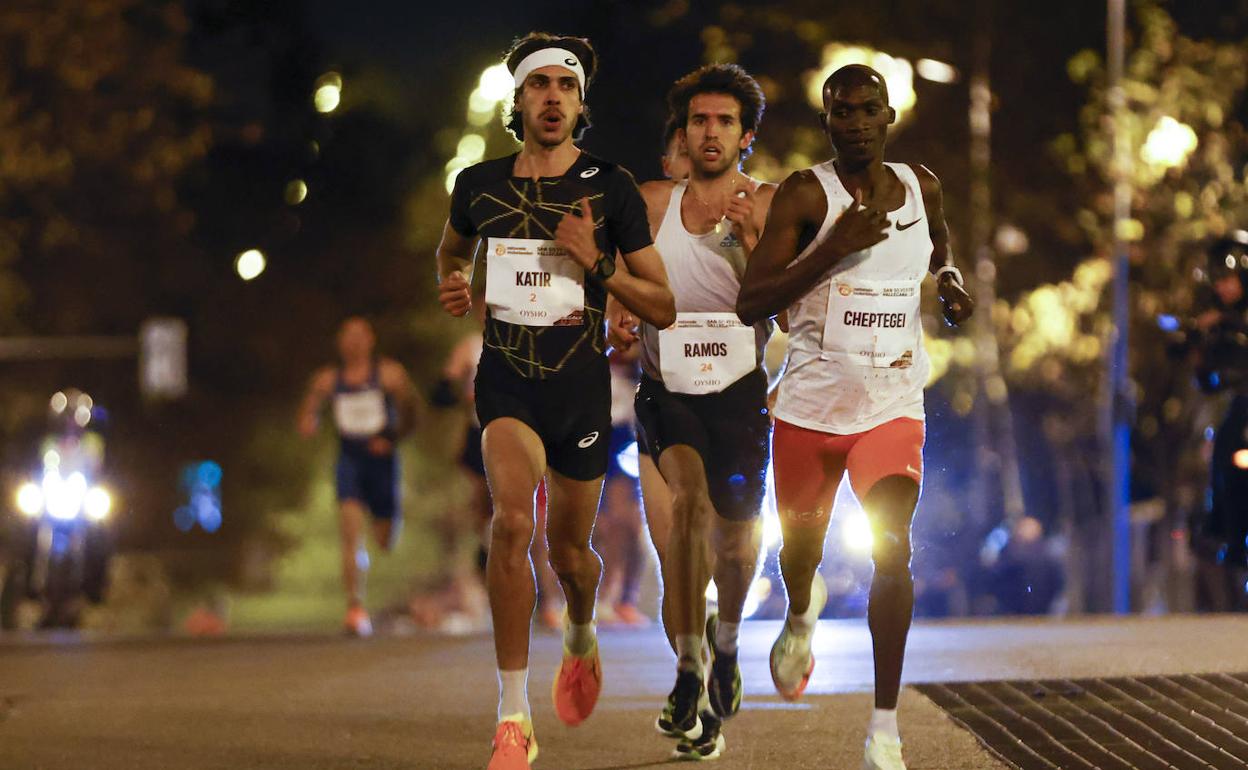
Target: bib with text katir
column 873, row 323
column 360, row 414
column 705, row 352
column 533, row 282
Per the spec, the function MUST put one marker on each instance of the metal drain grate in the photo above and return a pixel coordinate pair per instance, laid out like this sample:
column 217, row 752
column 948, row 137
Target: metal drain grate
column 1145, row 723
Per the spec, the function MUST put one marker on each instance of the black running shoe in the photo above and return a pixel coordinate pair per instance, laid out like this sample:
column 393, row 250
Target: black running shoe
column 679, row 718
column 707, row 746
column 724, row 686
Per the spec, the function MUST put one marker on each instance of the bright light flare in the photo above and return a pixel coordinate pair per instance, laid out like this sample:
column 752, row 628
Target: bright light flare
column 1169, row 143
column 936, row 71
column 898, row 74
column 1240, row 459
column 856, row 530
column 59, row 402
column 98, row 504
column 30, row 499
column 496, row 83
column 63, row 497
column 250, row 264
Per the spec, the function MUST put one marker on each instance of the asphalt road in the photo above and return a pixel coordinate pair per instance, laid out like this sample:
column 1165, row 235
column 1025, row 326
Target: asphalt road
column 314, row 702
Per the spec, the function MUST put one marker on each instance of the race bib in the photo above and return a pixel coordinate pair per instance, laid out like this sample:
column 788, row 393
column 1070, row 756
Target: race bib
column 532, row 282
column 873, row 323
column 705, row 352
column 361, row 413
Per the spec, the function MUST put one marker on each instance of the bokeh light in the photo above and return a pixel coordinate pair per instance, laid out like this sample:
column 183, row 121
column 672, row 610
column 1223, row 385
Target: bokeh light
column 250, row 264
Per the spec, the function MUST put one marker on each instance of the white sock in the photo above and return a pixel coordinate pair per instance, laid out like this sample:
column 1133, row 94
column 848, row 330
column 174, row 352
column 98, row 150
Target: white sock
column 689, row 652
column 513, row 693
column 805, row 622
column 579, row 637
column 884, row 721
column 726, row 636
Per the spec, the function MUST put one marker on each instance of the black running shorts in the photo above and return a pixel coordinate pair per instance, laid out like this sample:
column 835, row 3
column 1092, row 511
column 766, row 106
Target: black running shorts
column 730, row 430
column 570, row 412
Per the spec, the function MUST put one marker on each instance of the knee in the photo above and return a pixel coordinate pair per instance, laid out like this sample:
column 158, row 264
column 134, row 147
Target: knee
column 511, row 529
column 891, row 551
column 570, row 559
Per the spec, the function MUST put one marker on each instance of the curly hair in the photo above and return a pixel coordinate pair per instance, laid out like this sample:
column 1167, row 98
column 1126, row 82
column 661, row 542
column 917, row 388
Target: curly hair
column 730, row 79
column 536, row 41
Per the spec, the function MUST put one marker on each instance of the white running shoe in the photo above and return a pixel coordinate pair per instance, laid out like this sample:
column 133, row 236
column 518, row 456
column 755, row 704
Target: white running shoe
column 792, row 660
column 883, row 752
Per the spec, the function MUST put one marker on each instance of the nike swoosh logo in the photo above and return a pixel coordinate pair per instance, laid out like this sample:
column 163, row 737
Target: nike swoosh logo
column 900, row 226
column 912, row 469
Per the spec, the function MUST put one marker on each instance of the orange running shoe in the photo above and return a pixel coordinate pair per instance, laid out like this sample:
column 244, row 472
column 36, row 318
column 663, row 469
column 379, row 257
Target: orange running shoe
column 577, row 686
column 357, row 623
column 515, row 746
column 629, row 615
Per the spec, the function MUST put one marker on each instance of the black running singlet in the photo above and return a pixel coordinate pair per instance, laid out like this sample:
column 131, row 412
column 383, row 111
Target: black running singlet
column 491, row 203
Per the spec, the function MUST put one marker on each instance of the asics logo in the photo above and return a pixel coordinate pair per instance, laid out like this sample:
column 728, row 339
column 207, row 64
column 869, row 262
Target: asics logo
column 900, row 226
column 587, row 173
column 588, row 441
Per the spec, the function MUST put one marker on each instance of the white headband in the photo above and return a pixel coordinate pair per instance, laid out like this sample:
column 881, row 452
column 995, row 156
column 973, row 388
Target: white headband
column 546, row 57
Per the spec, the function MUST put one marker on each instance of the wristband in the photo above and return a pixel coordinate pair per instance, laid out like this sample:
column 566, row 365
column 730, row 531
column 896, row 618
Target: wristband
column 604, row 268
column 950, row 269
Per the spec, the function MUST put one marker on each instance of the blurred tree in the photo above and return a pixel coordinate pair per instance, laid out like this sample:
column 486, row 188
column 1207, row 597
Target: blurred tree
column 1185, row 124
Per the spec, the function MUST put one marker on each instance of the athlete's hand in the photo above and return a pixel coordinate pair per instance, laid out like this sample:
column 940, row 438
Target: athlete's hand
column 956, row 304
column 576, row 234
column 741, row 213
column 859, row 227
column 454, row 295
column 379, row 446
column 622, row 330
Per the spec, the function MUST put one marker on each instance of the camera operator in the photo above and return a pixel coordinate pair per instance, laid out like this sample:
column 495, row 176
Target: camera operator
column 1221, row 352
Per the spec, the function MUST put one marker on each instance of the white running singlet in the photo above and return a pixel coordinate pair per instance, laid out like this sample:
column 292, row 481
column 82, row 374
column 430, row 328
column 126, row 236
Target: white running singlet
column 707, row 349
column 856, row 358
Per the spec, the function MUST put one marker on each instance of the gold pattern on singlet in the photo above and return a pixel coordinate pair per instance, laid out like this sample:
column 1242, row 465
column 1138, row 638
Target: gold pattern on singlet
column 524, row 219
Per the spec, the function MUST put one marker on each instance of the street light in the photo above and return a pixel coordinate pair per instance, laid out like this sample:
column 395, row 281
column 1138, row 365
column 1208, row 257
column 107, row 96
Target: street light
column 1169, row 144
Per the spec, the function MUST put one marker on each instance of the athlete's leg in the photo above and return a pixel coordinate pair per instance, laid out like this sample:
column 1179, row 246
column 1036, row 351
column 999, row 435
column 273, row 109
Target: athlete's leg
column 657, row 502
column 885, row 467
column 386, row 532
column 735, row 545
column 351, row 516
column 808, row 467
column 806, row 481
column 571, row 508
column 687, row 570
column 890, row 505
column 514, row 463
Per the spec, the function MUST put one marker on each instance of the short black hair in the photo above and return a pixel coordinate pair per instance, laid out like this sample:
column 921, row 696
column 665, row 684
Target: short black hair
column 536, row 41
column 853, row 75
column 731, row 79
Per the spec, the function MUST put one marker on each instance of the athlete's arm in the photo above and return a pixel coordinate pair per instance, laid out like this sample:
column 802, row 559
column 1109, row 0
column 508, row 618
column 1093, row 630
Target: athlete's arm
column 320, row 387
column 956, row 303
column 747, row 210
column 396, row 382
column 642, row 288
column 773, row 281
column 454, row 264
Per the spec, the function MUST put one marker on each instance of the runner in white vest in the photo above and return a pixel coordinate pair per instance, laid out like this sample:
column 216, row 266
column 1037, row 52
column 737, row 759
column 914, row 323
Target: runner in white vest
column 702, row 402
column 847, row 246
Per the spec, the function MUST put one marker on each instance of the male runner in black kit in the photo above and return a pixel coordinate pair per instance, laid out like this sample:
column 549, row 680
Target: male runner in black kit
column 550, row 220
